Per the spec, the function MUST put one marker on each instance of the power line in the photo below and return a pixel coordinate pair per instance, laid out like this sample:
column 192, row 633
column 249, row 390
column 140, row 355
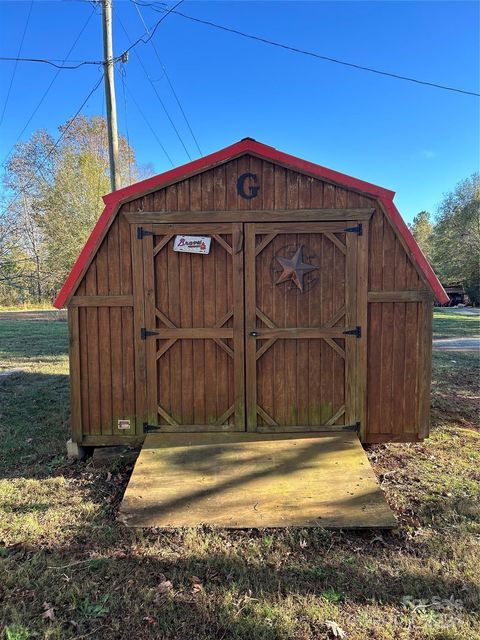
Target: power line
column 281, row 45
column 166, row 12
column 55, row 145
column 168, row 79
column 16, row 62
column 54, row 63
column 155, row 90
column 49, row 87
column 315, row 55
column 123, row 73
column 72, row 120
column 149, row 125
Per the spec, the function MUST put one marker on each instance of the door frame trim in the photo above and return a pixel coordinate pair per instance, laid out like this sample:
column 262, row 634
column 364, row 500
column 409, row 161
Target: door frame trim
column 253, row 215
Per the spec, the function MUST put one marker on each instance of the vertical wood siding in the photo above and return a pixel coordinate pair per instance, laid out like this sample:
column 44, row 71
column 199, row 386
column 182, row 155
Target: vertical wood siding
column 398, row 378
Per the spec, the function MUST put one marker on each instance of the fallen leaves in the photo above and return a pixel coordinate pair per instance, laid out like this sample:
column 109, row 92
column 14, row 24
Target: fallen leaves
column 164, row 586
column 334, row 630
column 196, row 583
column 48, row 612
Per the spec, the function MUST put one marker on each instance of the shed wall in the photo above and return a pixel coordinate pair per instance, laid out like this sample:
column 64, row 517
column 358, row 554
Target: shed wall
column 399, row 309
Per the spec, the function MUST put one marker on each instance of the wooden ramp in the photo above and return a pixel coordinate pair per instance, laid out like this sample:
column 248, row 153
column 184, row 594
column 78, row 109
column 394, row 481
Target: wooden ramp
column 246, row 480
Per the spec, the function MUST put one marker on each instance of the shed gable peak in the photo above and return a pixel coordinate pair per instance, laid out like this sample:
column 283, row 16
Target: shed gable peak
column 243, row 154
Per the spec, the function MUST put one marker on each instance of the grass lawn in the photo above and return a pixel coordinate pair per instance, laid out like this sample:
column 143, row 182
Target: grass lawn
column 28, row 306
column 448, row 324
column 68, row 570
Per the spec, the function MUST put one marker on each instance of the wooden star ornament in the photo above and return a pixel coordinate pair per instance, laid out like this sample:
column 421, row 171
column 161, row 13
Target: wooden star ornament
column 294, row 269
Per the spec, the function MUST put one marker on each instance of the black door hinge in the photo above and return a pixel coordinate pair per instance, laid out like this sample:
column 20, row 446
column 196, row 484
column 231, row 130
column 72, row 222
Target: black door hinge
column 150, row 428
column 358, row 229
column 354, row 332
column 353, row 427
column 141, row 233
column 144, row 333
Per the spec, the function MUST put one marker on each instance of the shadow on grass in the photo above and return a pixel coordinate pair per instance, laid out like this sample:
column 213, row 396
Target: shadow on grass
column 243, row 595
column 34, row 411
column 255, row 584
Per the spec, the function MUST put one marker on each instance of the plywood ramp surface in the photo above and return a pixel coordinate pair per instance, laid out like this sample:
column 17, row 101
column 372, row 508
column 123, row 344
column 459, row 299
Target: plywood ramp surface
column 244, row 480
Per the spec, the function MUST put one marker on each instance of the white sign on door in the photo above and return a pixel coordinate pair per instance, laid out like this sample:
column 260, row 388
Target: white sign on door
column 192, row 244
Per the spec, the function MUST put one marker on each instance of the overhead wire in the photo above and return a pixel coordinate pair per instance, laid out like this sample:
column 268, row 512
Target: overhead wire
column 152, row 42
column 154, row 89
column 16, row 62
column 130, row 93
column 166, row 13
column 40, row 102
column 312, row 54
column 123, row 73
column 55, row 145
column 159, row 9
column 54, row 63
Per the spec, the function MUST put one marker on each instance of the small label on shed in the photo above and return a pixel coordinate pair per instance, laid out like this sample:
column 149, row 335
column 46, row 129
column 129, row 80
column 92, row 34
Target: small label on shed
column 123, row 424
column 192, row 244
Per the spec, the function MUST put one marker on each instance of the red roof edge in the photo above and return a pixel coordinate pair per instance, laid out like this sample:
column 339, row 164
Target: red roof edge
column 247, row 145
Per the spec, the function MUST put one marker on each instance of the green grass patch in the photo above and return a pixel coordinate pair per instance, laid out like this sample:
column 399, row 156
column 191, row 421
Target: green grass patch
column 455, row 386
column 28, row 306
column 448, row 324
column 69, row 570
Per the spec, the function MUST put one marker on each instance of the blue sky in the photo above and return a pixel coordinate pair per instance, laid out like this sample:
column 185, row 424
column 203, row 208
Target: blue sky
column 416, row 140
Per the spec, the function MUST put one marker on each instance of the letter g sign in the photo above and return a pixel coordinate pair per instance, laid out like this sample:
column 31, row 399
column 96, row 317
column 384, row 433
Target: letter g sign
column 252, row 190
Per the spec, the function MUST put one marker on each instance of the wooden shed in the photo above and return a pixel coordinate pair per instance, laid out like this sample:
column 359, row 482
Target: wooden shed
column 250, row 291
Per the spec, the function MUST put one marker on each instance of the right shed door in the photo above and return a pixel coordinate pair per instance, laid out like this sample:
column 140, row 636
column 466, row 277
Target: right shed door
column 300, row 299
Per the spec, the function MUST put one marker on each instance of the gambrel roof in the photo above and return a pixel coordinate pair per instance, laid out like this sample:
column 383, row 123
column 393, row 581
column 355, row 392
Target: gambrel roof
column 113, row 202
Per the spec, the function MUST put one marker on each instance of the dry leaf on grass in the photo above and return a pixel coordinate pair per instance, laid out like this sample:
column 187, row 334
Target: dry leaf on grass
column 164, row 586
column 196, row 584
column 48, row 613
column 334, row 630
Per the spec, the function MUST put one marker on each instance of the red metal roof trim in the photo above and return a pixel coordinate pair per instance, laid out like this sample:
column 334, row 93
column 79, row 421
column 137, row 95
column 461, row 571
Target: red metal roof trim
column 115, row 199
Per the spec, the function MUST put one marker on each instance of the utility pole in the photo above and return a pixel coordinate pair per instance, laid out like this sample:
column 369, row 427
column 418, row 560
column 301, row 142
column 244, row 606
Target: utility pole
column 110, row 94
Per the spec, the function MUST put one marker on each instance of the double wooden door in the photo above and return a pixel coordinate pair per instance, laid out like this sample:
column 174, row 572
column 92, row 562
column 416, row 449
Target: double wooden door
column 260, row 334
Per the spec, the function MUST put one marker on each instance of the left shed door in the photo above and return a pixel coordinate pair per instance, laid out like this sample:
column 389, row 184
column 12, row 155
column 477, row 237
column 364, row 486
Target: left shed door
column 193, row 307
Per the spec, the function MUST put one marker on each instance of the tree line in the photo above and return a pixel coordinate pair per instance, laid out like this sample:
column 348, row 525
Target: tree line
column 52, row 199
column 451, row 239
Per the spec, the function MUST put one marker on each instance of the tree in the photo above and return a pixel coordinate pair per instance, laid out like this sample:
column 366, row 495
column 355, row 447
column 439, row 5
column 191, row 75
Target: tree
column 456, row 237
column 55, row 199
column 422, row 229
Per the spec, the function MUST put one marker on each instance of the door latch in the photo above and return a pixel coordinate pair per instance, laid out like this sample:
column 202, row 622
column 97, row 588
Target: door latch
column 254, row 334
column 354, row 332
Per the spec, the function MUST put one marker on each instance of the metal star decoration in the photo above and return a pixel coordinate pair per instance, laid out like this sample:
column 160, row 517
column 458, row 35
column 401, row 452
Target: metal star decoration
column 294, row 269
